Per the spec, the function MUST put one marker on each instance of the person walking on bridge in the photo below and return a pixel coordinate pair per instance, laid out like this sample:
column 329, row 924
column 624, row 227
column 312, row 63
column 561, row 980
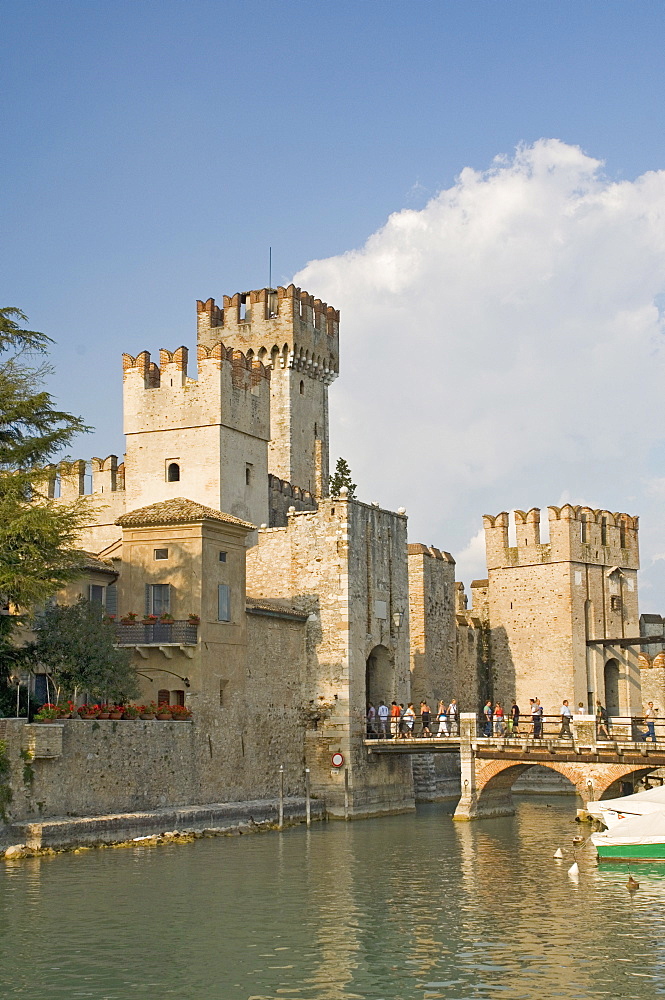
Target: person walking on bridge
column 487, row 713
column 566, row 716
column 383, row 713
column 442, row 716
column 514, row 718
column 394, row 720
column 425, row 717
column 453, row 717
column 650, row 719
column 602, row 721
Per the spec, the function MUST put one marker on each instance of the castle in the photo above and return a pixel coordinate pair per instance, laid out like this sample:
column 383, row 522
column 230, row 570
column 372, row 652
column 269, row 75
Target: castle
column 291, row 608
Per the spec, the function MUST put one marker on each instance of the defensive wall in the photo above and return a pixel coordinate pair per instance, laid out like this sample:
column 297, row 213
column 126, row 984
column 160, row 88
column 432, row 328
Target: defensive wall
column 345, row 566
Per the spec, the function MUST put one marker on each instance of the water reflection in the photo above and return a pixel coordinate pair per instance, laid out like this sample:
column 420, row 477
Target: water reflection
column 411, row 906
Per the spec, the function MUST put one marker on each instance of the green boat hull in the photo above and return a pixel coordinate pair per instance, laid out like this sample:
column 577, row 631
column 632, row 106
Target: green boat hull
column 631, row 852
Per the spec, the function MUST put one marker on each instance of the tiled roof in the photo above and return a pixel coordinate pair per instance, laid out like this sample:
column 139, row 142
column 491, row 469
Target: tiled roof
column 177, row 511
column 263, row 606
column 88, row 560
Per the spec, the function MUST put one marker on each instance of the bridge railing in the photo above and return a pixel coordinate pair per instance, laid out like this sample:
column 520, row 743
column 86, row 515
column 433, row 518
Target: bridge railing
column 619, row 729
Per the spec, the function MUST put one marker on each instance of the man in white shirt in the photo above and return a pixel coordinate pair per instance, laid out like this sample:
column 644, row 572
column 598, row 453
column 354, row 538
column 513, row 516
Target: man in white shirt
column 566, row 716
column 383, row 713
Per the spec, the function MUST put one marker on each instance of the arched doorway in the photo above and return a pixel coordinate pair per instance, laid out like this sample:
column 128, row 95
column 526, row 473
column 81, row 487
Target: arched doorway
column 379, row 677
column 612, row 687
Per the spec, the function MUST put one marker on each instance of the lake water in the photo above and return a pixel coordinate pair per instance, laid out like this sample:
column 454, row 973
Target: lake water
column 403, row 907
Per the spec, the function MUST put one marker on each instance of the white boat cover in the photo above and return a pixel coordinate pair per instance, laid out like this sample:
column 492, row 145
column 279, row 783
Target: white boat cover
column 648, row 829
column 611, row 811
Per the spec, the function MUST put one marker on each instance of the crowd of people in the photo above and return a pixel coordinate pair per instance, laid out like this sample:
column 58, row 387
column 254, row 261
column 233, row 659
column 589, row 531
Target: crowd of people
column 397, row 721
column 400, row 722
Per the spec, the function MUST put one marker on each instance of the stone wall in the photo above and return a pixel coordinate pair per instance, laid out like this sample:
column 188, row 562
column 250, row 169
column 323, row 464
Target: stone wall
column 345, row 566
column 547, row 599
column 432, row 625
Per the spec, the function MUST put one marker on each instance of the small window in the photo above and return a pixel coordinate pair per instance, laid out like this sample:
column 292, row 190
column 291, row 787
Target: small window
column 622, row 534
column 603, row 531
column 157, row 598
column 96, row 594
column 302, row 388
column 222, row 686
column 163, row 697
column 583, row 536
column 615, row 603
column 222, row 556
column 316, row 430
column 248, row 476
column 177, row 697
column 223, row 603
column 173, row 473
column 161, row 553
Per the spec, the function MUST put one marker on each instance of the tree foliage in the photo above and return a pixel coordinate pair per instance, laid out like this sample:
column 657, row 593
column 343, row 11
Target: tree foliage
column 37, row 534
column 342, row 477
column 75, row 642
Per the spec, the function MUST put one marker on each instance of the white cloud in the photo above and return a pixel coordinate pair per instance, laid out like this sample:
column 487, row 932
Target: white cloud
column 503, row 346
column 470, row 562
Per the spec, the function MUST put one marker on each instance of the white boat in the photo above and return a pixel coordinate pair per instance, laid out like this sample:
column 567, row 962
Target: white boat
column 636, row 838
column 612, row 811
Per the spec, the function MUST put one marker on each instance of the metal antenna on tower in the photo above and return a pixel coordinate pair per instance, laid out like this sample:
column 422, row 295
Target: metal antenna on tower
column 269, row 267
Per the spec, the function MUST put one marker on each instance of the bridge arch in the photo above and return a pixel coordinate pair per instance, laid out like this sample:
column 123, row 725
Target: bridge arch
column 487, row 788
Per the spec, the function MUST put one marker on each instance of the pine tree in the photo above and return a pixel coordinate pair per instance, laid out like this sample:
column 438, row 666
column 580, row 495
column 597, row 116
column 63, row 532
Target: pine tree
column 342, row 477
column 37, row 535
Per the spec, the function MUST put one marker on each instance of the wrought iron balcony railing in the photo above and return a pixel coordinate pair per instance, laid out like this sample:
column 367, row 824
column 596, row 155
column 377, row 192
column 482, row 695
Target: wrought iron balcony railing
column 176, row 633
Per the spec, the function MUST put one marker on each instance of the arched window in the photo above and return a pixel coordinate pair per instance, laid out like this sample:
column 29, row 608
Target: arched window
column 173, row 473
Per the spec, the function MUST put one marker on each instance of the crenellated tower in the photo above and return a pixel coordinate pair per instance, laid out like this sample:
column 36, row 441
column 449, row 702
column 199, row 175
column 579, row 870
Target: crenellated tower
column 556, row 606
column 297, row 337
column 204, row 438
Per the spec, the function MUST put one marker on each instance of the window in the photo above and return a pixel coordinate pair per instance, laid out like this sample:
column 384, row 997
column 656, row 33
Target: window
column 615, row 603
column 157, row 598
column 163, row 697
column 223, row 603
column 222, row 556
column 302, row 388
column 603, row 531
column 112, row 599
column 248, row 475
column 161, row 553
column 96, row 594
column 583, row 536
column 622, row 534
column 173, row 472
column 177, row 697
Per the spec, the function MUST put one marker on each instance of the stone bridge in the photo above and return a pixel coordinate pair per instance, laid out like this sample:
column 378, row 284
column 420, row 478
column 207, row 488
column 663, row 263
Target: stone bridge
column 490, row 766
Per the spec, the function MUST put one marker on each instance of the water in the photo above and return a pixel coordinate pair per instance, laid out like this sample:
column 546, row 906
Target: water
column 403, row 907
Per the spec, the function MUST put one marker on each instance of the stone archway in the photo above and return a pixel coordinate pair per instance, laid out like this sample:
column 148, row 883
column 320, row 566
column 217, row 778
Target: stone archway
column 379, row 676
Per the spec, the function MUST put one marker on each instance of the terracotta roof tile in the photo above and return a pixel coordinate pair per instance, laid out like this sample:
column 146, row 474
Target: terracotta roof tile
column 177, row 511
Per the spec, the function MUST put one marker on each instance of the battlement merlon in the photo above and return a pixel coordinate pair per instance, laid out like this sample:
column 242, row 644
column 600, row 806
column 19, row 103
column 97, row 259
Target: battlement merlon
column 67, row 479
column 283, row 327
column 172, row 369
column 577, row 534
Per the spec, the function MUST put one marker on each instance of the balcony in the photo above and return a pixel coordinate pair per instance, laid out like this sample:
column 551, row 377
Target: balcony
column 165, row 636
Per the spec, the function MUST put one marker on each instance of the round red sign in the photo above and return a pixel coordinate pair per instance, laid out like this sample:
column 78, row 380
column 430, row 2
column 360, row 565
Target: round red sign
column 337, row 759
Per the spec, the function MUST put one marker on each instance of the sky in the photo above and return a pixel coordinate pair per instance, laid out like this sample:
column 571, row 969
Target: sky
column 479, row 187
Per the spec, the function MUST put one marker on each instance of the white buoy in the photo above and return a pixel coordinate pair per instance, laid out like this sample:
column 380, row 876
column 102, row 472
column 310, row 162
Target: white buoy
column 558, row 854
column 574, row 869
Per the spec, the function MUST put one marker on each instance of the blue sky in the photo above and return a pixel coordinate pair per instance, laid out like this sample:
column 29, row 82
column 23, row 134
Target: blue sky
column 154, row 151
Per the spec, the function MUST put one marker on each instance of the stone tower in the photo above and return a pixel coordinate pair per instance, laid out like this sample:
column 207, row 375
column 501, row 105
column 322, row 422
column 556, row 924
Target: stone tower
column 204, row 438
column 554, row 608
column 298, row 337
